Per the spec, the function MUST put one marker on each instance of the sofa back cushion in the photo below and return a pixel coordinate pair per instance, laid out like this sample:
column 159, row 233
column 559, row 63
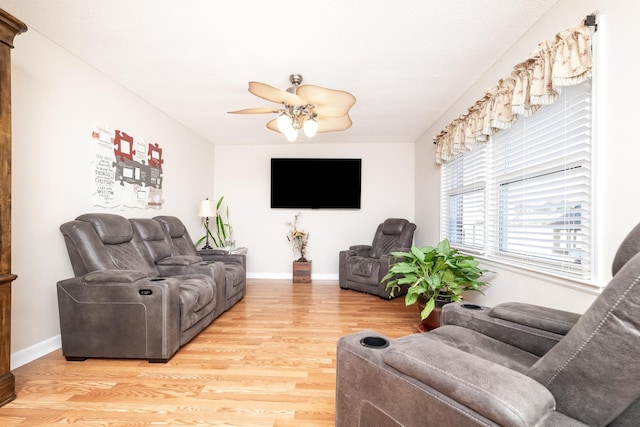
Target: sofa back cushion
column 392, row 234
column 593, row 372
column 151, row 239
column 111, row 229
column 86, row 251
column 629, row 247
column 114, row 245
column 178, row 234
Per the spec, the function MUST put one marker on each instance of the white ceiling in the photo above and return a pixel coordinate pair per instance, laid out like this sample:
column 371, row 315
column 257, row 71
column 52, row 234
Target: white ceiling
column 405, row 61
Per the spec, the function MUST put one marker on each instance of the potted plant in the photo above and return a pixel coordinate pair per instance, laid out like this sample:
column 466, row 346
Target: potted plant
column 434, row 273
column 223, row 231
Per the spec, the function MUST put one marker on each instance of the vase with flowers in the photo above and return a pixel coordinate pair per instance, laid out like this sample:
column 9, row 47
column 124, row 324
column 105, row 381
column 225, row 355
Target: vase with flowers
column 298, row 239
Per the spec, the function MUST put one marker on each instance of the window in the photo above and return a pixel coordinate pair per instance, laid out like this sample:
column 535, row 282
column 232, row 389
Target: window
column 525, row 196
column 465, row 178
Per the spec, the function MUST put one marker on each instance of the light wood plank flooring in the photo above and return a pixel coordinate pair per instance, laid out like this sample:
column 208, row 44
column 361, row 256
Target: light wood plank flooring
column 268, row 361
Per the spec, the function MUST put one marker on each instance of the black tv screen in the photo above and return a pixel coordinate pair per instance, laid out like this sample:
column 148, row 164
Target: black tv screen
column 315, row 183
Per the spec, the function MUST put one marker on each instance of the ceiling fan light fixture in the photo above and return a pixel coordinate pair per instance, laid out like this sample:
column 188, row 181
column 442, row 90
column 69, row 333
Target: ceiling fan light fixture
column 284, row 123
column 291, row 135
column 312, row 109
column 310, row 127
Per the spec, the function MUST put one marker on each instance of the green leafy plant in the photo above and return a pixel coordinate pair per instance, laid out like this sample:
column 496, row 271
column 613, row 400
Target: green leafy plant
column 223, row 229
column 432, row 272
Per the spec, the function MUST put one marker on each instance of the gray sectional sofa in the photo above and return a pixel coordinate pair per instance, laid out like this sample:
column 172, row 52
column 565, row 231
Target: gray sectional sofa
column 134, row 294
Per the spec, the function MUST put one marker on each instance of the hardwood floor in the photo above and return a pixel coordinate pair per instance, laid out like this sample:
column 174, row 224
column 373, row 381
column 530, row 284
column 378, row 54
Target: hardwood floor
column 268, row 361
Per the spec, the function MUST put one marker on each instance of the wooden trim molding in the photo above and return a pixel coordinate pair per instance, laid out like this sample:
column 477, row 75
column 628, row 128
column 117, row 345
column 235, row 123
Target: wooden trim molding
column 9, row 28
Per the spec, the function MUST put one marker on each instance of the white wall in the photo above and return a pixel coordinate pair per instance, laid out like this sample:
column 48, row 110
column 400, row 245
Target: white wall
column 242, row 176
column 56, row 102
column 616, row 156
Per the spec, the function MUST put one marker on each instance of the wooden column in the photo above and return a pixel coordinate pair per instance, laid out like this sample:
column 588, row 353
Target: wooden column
column 9, row 28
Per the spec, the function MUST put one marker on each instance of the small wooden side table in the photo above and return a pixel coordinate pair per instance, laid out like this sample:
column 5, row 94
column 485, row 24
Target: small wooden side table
column 301, row 271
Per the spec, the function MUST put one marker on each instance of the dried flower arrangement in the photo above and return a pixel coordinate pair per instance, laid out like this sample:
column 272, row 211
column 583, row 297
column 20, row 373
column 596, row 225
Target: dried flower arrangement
column 298, row 239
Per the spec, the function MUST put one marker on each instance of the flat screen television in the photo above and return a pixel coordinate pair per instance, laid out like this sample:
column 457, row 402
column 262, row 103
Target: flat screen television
column 315, row 183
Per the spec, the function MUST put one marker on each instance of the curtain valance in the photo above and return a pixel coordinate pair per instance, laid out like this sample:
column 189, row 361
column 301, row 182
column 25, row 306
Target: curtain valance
column 535, row 82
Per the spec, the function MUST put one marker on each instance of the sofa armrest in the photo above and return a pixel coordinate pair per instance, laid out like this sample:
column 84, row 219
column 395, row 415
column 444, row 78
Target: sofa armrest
column 543, row 318
column 180, row 260
column 113, row 276
column 386, row 260
column 213, row 251
column 533, row 340
column 453, row 387
column 177, row 265
column 361, row 250
column 385, row 263
column 392, row 250
column 116, row 286
column 220, row 255
column 119, row 318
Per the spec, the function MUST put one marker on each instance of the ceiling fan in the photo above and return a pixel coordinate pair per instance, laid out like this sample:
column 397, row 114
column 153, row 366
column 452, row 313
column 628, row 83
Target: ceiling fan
column 307, row 107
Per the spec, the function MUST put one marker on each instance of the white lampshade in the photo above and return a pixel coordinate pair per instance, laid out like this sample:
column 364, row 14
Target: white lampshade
column 206, row 208
column 292, row 135
column 310, row 127
column 284, row 123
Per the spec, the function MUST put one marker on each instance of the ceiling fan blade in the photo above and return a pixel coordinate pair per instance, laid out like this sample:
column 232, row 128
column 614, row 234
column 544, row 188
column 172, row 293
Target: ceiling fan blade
column 273, row 94
column 273, row 125
column 256, row 111
column 328, row 102
column 333, row 124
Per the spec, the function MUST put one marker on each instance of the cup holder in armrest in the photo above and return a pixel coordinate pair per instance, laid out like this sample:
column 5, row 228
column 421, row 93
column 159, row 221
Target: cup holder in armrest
column 471, row 306
column 374, row 342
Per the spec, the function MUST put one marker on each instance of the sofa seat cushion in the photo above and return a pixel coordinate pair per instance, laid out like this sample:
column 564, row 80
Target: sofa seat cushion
column 197, row 298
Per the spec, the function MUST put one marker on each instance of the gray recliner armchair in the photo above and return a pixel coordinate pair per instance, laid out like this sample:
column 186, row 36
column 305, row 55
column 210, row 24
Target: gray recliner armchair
column 119, row 304
column 235, row 265
column 513, row 365
column 362, row 267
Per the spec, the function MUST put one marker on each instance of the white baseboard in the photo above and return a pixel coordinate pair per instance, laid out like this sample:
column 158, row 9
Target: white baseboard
column 36, row 351
column 290, row 276
column 269, row 276
column 324, row 276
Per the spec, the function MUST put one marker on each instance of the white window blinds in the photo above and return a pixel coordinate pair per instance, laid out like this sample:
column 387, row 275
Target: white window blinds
column 464, row 182
column 525, row 196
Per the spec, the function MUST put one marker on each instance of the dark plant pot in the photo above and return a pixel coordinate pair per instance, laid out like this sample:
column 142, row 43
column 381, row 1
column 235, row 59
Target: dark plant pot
column 433, row 319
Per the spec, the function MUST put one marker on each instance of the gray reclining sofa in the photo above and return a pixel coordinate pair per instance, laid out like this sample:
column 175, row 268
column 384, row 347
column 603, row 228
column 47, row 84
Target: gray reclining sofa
column 131, row 296
column 512, row 365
